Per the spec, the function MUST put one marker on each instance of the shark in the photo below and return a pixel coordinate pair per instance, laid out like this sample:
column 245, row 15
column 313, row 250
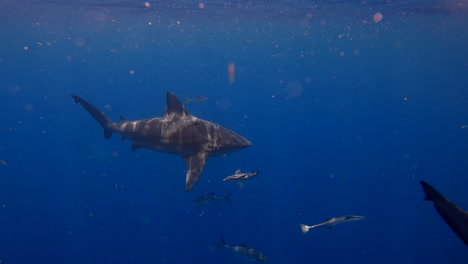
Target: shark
column 330, row 223
column 242, row 250
column 453, row 215
column 175, row 132
column 212, row 198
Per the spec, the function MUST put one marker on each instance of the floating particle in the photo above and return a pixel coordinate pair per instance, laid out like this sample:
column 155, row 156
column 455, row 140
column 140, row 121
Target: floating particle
column 26, row 48
column 131, row 71
column 377, row 17
column 147, row 4
column 3, row 162
column 232, row 72
column 201, row 5
column 294, row 89
column 29, row 107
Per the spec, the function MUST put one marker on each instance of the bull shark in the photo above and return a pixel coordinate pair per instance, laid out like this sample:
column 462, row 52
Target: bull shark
column 453, row 215
column 330, row 223
column 176, row 132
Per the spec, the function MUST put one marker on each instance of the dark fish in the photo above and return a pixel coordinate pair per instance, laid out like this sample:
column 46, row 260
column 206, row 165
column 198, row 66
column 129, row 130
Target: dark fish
column 241, row 176
column 243, row 250
column 195, row 99
column 453, row 215
column 176, row 132
column 330, row 223
column 212, row 198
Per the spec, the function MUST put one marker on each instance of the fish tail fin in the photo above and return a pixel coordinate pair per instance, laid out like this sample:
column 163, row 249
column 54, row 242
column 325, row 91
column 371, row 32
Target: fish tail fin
column 227, row 198
column 222, row 244
column 102, row 119
column 304, row 228
column 187, row 99
column 431, row 193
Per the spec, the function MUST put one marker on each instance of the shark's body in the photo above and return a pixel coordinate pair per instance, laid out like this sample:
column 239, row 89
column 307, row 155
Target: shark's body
column 176, row 132
column 330, row 223
column 242, row 250
column 453, row 215
column 211, row 198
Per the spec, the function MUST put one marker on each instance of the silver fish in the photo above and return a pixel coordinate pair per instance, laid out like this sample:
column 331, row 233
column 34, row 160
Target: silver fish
column 330, row 223
column 211, row 198
column 241, row 176
column 243, row 250
column 195, row 99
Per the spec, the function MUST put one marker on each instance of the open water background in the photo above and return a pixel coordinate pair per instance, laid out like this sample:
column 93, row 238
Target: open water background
column 347, row 114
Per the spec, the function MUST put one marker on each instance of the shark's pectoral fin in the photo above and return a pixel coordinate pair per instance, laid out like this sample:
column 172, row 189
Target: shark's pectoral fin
column 135, row 147
column 195, row 165
column 240, row 184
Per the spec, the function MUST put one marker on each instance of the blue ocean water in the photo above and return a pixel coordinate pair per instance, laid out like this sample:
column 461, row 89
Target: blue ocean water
column 349, row 105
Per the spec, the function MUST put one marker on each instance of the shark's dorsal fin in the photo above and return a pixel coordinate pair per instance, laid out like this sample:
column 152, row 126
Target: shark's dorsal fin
column 123, row 119
column 238, row 171
column 174, row 107
column 195, row 164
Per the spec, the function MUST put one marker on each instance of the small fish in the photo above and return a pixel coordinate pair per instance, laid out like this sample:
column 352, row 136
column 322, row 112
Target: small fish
column 330, row 223
column 195, row 99
column 212, row 198
column 241, row 176
column 243, row 250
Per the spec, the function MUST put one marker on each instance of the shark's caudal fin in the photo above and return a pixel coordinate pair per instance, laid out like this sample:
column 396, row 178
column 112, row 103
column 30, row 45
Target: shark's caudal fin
column 222, row 244
column 431, row 193
column 227, row 198
column 105, row 121
column 304, row 228
column 195, row 164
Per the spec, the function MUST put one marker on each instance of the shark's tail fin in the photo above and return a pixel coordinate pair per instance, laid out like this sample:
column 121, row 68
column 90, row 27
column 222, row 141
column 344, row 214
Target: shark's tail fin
column 222, row 244
column 105, row 121
column 187, row 99
column 431, row 193
column 304, row 228
column 227, row 198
